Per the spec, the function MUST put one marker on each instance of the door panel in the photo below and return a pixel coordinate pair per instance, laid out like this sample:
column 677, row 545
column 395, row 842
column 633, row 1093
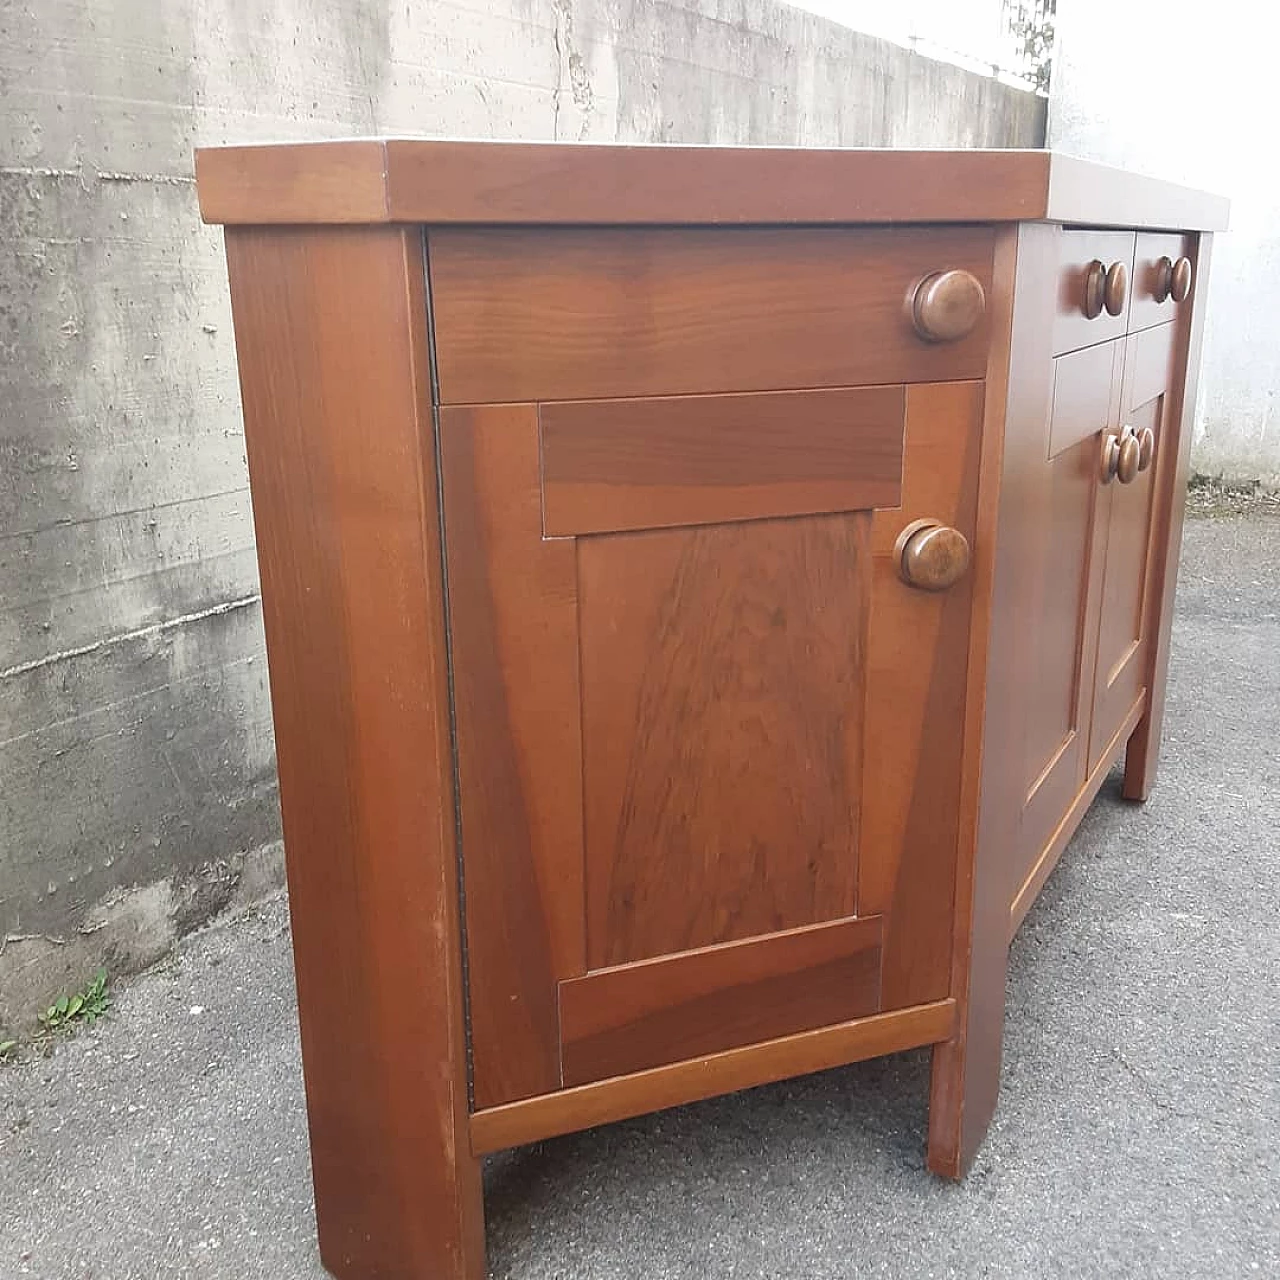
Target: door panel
column 1061, row 590
column 687, row 754
column 1122, row 635
column 722, row 730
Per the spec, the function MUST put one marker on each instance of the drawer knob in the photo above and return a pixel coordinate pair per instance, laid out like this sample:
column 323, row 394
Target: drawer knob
column 1128, row 457
column 932, row 556
column 1146, row 448
column 1173, row 280
column 947, row 305
column 1110, row 456
column 1105, row 288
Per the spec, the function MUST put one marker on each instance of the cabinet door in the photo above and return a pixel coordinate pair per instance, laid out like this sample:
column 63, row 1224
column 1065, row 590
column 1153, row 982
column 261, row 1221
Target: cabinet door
column 1126, row 521
column 708, row 740
column 1060, row 588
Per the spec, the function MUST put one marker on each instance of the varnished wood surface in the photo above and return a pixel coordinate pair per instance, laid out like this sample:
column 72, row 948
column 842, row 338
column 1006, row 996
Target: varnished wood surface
column 722, row 686
column 514, row 622
column 1036, row 876
column 330, row 329
column 966, row 1067
column 1124, row 616
column 1076, row 251
column 614, row 465
column 1140, row 761
column 448, row 181
column 917, row 660
column 626, row 1019
column 1086, row 388
column 552, row 313
column 674, row 1085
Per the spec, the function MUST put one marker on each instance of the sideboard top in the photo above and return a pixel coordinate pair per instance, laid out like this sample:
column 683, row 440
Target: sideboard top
column 440, row 181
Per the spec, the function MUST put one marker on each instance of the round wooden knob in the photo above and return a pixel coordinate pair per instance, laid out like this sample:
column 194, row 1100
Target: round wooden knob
column 1180, row 280
column 1095, row 285
column 1110, row 456
column 1116, row 288
column 1130, row 455
column 1146, row 448
column 932, row 556
column 947, row 305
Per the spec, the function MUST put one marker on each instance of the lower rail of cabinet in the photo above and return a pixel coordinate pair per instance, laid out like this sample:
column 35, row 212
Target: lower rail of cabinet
column 621, row 1097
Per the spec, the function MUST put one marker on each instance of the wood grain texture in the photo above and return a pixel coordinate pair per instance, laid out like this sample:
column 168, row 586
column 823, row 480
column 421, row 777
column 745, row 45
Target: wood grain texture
column 1073, row 329
column 330, row 329
column 1143, row 750
column 411, row 180
column 547, row 313
column 966, row 1067
column 722, row 693
column 1144, row 310
column 514, row 621
column 615, row 465
column 626, row 1019
column 1086, row 386
column 679, row 1083
column 917, row 661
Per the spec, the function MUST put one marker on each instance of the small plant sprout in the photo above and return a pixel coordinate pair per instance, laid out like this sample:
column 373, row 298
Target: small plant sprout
column 86, row 1006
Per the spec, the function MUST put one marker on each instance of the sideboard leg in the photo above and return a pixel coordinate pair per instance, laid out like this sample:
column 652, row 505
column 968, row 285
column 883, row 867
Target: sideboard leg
column 966, row 1069
column 1140, row 759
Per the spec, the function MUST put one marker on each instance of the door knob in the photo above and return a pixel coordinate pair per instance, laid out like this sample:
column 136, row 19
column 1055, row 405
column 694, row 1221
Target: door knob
column 1129, row 457
column 1105, row 288
column 947, row 305
column 932, row 556
column 1146, row 448
column 1110, row 456
column 1173, row 280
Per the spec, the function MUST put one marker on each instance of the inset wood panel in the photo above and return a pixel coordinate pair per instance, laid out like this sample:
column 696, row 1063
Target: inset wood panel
column 1084, row 393
column 722, row 691
column 514, row 623
column 620, row 1020
column 610, row 465
column 917, row 660
column 587, row 313
column 1076, row 250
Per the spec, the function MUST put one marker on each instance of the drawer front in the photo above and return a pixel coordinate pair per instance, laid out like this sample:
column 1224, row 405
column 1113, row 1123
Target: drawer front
column 536, row 314
column 1079, row 251
column 1153, row 259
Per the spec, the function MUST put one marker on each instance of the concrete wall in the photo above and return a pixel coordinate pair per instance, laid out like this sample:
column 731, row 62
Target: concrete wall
column 1194, row 102
column 135, row 737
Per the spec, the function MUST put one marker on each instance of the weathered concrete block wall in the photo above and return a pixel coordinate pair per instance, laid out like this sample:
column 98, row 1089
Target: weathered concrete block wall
column 135, row 738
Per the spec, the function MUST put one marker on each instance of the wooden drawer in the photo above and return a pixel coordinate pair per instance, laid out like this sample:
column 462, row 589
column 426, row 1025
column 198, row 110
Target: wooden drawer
column 1153, row 256
column 565, row 313
column 1077, row 252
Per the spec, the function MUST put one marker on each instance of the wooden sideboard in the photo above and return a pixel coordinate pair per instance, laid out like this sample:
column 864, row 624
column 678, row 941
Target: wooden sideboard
column 704, row 588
